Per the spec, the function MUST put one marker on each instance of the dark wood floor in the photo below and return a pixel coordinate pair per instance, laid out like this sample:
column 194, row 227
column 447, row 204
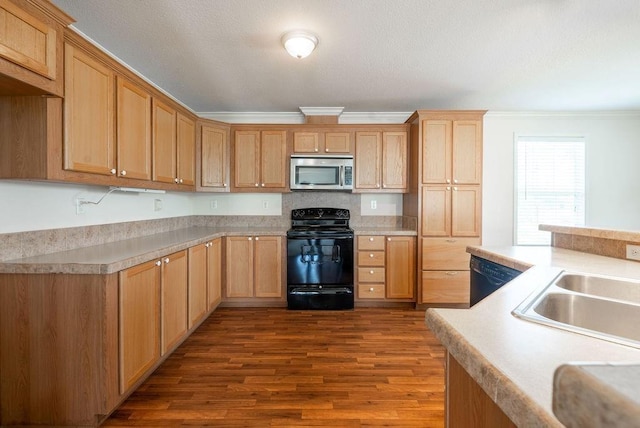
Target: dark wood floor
column 273, row 367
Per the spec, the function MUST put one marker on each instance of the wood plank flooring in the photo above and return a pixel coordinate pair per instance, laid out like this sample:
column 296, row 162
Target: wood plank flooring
column 262, row 367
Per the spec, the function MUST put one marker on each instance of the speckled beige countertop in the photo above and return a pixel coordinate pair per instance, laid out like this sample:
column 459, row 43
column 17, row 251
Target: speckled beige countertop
column 514, row 360
column 119, row 255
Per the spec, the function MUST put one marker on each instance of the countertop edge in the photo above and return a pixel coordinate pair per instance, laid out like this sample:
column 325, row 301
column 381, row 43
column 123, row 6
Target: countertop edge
column 509, row 397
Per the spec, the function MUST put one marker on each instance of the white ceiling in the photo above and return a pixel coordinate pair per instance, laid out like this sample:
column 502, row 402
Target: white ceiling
column 377, row 55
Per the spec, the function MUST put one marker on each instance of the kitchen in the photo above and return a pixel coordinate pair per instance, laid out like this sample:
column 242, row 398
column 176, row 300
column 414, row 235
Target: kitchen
column 607, row 190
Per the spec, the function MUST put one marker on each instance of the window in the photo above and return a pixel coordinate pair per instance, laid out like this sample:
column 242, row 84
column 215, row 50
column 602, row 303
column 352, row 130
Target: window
column 550, row 186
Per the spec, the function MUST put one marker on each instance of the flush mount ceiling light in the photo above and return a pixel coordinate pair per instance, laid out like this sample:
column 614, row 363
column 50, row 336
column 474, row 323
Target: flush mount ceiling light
column 299, row 43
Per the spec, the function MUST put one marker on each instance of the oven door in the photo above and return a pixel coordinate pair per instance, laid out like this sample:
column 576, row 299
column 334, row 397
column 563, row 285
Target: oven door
column 320, row 260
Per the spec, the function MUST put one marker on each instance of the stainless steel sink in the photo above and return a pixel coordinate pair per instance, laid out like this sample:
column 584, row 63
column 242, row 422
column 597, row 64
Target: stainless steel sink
column 603, row 307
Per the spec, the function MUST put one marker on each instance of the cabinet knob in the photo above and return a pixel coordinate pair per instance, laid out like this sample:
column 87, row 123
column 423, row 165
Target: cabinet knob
column 371, row 255
column 371, row 239
column 371, row 272
column 448, row 188
column 455, row 188
column 371, row 289
column 455, row 181
column 224, row 184
column 384, row 185
column 377, row 186
column 123, row 172
column 207, row 245
column 326, row 150
column 250, row 238
column 256, row 184
column 448, row 181
column 175, row 180
column 166, row 260
column 257, row 238
column 181, row 180
column 112, row 171
column 315, row 150
column 158, row 263
column 262, row 185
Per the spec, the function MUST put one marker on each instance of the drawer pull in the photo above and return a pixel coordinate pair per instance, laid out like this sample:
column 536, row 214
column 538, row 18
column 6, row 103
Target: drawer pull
column 371, row 272
column 158, row 263
column 452, row 240
column 371, row 289
column 450, row 273
column 371, row 239
column 371, row 255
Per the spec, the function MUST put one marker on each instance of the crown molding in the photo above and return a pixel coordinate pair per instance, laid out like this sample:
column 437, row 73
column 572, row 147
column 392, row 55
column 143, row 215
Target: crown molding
column 568, row 113
column 299, row 118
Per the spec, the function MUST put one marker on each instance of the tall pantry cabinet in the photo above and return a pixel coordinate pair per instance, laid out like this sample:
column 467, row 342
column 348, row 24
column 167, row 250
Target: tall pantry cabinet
column 445, row 198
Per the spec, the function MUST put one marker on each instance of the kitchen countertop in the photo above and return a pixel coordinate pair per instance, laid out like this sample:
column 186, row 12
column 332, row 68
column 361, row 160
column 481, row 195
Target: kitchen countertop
column 116, row 256
column 515, row 360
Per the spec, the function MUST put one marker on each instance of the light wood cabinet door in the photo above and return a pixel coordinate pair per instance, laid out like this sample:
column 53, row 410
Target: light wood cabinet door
column 164, row 142
column 27, row 41
column 394, row 160
column 436, row 210
column 174, row 299
column 139, row 321
column 273, row 159
column 186, row 150
column 400, row 267
column 133, row 138
column 239, row 266
column 198, row 304
column 306, row 142
column 214, row 273
column 467, row 152
column 215, row 157
column 445, row 287
column 466, row 211
column 367, row 160
column 246, row 159
column 436, row 151
column 89, row 143
column 337, row 142
column 268, row 266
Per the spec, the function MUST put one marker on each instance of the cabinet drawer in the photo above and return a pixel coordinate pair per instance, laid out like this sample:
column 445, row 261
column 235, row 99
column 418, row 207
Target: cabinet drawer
column 374, row 274
column 446, row 253
column 445, row 287
column 371, row 258
column 371, row 291
column 370, row 242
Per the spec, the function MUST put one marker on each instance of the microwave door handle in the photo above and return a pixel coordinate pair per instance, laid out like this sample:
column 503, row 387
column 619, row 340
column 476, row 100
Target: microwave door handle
column 341, row 175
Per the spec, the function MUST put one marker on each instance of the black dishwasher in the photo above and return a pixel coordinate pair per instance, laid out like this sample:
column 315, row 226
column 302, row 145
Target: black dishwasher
column 487, row 277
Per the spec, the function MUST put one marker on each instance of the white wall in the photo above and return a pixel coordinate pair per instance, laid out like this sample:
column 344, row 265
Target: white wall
column 613, row 175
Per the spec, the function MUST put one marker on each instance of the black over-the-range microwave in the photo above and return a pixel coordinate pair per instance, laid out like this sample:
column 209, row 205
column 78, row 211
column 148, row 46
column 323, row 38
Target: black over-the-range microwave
column 332, row 172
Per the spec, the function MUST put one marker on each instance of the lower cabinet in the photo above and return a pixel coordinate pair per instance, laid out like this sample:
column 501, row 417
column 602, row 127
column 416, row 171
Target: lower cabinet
column 445, row 270
column 386, row 267
column 467, row 405
column 174, row 299
column 139, row 333
column 214, row 273
column 254, row 267
column 205, row 279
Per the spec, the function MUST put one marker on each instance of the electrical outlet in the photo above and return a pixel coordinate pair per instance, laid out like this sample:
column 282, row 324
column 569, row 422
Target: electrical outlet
column 633, row 252
column 157, row 204
column 80, row 206
column 265, row 205
column 374, row 204
column 214, row 204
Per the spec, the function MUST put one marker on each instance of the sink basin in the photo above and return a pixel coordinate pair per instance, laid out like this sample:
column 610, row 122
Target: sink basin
column 598, row 306
column 613, row 288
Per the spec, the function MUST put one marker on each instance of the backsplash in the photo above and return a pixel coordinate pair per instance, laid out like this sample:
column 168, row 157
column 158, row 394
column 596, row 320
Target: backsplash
column 603, row 242
column 27, row 244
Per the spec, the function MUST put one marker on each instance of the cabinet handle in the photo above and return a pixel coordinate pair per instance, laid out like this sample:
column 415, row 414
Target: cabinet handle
column 113, row 171
column 326, row 150
column 455, row 188
column 371, row 289
column 158, row 263
column 224, row 184
column 451, row 273
column 175, row 180
column 256, row 184
column 388, row 239
column 316, row 149
column 257, row 238
column 123, row 172
column 452, row 240
column 181, row 180
column 384, row 186
column 448, row 181
column 448, row 188
column 377, row 186
column 250, row 238
column 371, row 239
column 371, row 255
column 455, row 181
column 371, row 272
column 262, row 185
column 166, row 260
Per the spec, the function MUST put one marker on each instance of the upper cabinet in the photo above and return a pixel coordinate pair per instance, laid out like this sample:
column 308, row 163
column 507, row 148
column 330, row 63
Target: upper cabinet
column 259, row 160
column 89, row 143
column 381, row 161
column 31, row 47
column 452, row 151
column 322, row 142
column 186, row 150
column 133, row 140
column 214, row 157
